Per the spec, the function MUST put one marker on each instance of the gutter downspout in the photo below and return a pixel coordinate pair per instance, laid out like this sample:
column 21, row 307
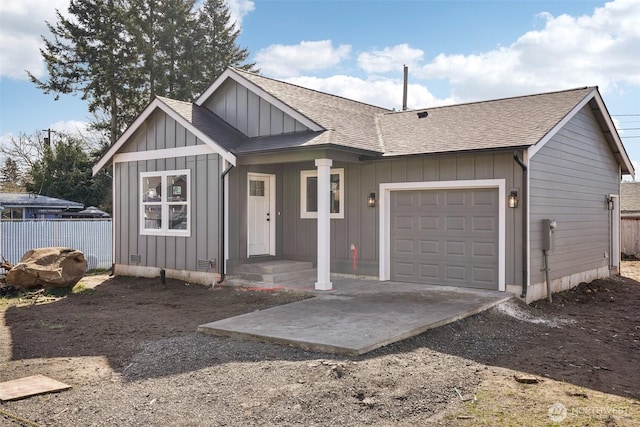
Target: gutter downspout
column 223, row 222
column 525, row 226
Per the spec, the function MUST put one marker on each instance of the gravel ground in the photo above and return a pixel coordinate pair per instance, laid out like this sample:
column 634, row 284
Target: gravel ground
column 130, row 354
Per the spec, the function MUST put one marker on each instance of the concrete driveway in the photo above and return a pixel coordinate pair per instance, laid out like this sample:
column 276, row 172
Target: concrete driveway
column 358, row 315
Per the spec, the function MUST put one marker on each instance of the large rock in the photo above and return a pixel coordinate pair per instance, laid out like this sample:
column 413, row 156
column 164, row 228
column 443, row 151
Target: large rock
column 49, row 268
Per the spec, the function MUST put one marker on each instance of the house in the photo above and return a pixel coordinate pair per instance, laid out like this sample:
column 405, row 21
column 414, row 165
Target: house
column 630, row 200
column 89, row 213
column 630, row 218
column 466, row 195
column 23, row 206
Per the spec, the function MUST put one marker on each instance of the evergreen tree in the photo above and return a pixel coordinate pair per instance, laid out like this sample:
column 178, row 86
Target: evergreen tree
column 64, row 171
column 90, row 54
column 215, row 44
column 119, row 54
column 10, row 177
column 162, row 31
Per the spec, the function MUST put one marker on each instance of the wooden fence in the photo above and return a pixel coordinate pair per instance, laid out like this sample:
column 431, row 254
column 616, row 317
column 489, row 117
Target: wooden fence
column 630, row 239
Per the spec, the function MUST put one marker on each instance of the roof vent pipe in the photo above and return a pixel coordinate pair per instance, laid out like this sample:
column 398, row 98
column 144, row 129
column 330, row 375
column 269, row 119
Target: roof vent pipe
column 404, row 88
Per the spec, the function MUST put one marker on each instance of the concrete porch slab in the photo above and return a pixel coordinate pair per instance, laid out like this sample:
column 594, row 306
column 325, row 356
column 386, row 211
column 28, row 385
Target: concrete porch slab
column 358, row 317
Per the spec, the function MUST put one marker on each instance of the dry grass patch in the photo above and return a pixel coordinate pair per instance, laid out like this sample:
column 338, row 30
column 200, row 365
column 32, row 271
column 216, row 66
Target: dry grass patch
column 501, row 401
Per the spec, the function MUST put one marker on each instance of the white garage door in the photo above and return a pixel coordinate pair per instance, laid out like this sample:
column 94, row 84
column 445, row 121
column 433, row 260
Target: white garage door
column 445, row 237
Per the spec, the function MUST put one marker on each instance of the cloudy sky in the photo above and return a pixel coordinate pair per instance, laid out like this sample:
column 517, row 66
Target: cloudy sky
column 456, row 51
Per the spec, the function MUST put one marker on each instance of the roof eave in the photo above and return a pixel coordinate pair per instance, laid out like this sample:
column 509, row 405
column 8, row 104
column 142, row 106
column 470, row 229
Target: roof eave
column 329, row 146
column 611, row 133
column 388, row 156
column 603, row 117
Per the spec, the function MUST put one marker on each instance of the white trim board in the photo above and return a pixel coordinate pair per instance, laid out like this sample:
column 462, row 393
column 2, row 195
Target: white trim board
column 538, row 146
column 385, row 217
column 158, row 104
column 165, row 153
column 616, row 137
column 594, row 94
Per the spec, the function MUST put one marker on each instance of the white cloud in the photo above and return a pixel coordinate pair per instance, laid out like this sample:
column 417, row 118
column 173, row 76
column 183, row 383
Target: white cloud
column 238, row 9
column 381, row 92
column 600, row 49
column 76, row 128
column 72, row 127
column 290, row 60
column 79, row 129
column 22, row 22
column 389, row 58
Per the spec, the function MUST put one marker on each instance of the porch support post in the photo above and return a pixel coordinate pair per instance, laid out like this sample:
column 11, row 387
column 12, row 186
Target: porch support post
column 324, row 225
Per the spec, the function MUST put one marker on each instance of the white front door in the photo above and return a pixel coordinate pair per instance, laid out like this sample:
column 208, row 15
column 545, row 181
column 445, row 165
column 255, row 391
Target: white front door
column 261, row 217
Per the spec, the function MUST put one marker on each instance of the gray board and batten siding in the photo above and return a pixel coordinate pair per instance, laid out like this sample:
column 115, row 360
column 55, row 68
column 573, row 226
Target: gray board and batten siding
column 360, row 225
column 250, row 114
column 571, row 175
column 181, row 253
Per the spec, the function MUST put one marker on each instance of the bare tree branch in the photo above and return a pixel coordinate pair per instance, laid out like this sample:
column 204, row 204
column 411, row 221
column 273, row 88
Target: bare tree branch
column 24, row 149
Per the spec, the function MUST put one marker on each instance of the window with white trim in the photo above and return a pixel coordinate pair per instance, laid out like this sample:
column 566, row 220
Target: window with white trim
column 309, row 194
column 165, row 203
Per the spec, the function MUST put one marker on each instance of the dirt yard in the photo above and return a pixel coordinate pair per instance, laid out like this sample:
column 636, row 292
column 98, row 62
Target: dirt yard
column 129, row 350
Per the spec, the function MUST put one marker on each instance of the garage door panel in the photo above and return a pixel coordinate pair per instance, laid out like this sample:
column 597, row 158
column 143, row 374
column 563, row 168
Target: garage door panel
column 405, row 269
column 456, row 273
column 429, row 271
column 484, row 223
column 455, row 223
column 455, row 198
column 405, row 246
column 484, row 275
column 429, row 223
column 445, row 237
column 405, row 198
column 484, row 249
column 484, row 198
column 404, row 222
column 429, row 198
column 456, row 248
column 429, row 247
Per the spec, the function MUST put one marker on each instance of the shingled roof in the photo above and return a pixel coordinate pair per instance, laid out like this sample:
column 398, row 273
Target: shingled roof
column 503, row 123
column 219, row 131
column 15, row 200
column 630, row 199
column 351, row 123
column 509, row 123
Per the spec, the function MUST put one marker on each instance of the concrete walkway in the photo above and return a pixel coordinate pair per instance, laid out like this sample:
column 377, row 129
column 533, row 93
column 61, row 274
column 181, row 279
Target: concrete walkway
column 358, row 315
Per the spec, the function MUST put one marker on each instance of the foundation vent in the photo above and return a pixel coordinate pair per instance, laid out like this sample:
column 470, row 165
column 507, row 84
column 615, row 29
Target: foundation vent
column 205, row 265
